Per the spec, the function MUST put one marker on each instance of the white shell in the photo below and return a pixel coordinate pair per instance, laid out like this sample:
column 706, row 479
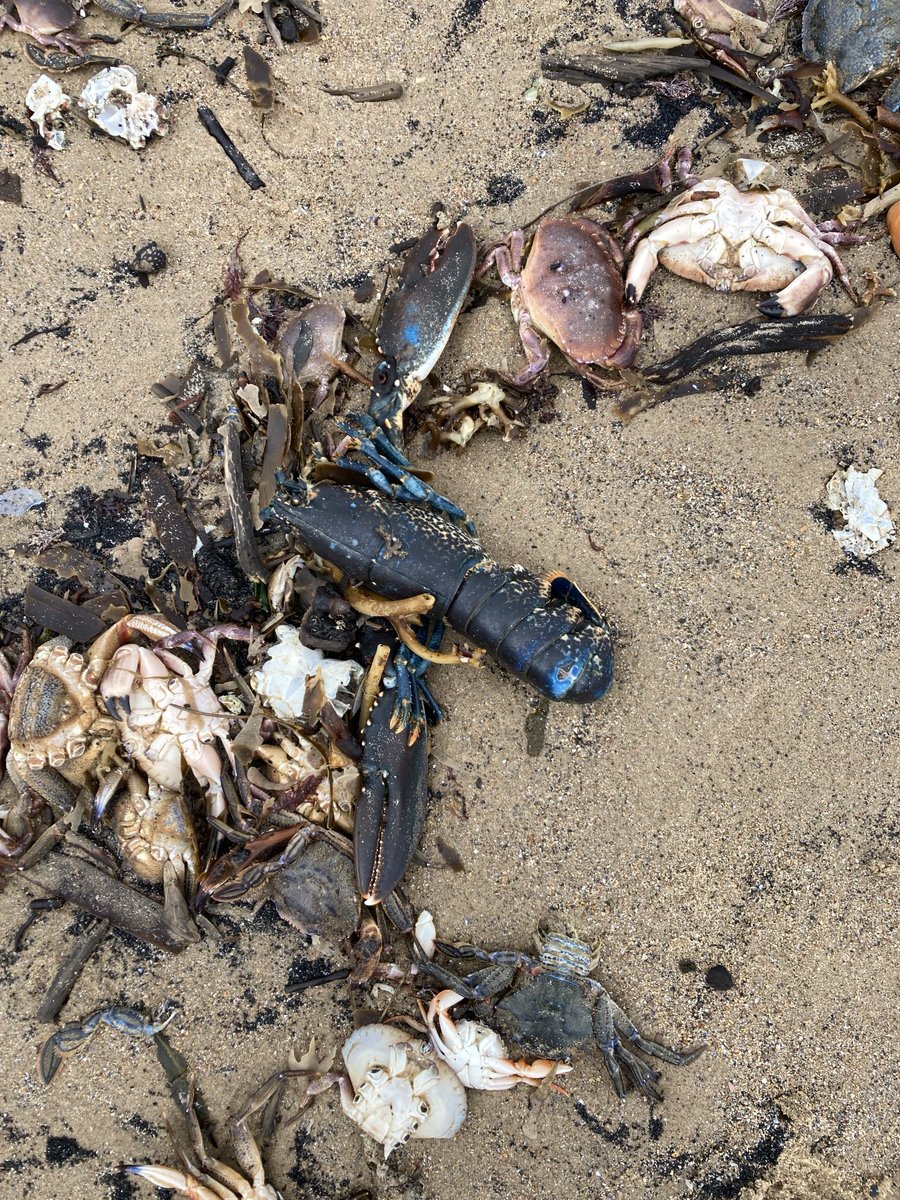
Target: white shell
column 425, row 932
column 291, row 668
column 748, row 173
column 401, row 1089
column 112, row 101
column 868, row 524
column 47, row 103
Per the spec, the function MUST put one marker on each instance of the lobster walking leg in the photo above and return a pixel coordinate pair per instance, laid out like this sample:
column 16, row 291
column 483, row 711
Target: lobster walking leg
column 389, row 470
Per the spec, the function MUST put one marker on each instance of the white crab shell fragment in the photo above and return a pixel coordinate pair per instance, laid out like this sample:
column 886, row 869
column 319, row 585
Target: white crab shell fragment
column 291, row 669
column 112, row 101
column 425, row 933
column 48, row 103
column 400, row 1088
column 868, row 524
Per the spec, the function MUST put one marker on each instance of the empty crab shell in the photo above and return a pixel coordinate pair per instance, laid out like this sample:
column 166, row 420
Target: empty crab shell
column 401, row 1090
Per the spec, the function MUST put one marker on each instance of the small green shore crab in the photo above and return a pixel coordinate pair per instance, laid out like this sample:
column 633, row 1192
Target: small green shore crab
column 552, row 1005
column 571, row 292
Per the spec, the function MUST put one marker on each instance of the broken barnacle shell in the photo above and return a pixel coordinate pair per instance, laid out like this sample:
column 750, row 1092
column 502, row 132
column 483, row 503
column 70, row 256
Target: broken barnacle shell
column 455, row 420
column 112, row 102
column 291, row 670
column 48, row 103
column 867, row 522
column 749, row 173
column 398, row 1088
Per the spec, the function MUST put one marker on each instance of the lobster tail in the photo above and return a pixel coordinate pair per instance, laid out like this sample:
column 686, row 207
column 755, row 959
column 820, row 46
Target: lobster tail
column 545, row 632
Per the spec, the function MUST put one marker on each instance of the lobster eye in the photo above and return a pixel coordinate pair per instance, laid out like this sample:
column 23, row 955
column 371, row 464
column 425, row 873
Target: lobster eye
column 382, row 375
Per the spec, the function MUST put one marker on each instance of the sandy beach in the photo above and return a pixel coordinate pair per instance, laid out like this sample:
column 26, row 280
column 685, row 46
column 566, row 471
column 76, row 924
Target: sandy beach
column 731, row 802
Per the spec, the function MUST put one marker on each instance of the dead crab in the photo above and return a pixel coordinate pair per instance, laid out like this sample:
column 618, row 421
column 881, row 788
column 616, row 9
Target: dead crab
column 206, row 1178
column 168, row 715
column 70, row 711
column 570, row 291
column 311, row 348
column 727, row 31
column 322, row 789
column 47, row 21
column 57, row 729
column 477, row 1054
column 308, row 872
column 396, row 1087
column 556, row 1007
column 740, row 240
column 155, row 828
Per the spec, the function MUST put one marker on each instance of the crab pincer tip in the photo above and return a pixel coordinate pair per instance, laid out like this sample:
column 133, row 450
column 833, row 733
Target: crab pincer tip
column 118, row 707
column 772, row 308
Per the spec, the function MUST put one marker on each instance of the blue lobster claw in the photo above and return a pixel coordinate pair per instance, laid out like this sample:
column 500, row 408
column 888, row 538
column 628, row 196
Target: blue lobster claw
column 418, row 319
column 390, row 812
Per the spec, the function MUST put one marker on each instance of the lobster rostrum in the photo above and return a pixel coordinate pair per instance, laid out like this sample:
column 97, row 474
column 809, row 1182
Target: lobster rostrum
column 393, row 535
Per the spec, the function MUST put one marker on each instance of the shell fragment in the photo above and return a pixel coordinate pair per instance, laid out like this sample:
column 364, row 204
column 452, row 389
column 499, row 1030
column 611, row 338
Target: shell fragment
column 112, row 102
column 868, row 525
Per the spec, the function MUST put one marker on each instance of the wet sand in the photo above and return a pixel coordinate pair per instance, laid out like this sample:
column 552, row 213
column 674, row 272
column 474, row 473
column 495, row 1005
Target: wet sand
column 732, row 801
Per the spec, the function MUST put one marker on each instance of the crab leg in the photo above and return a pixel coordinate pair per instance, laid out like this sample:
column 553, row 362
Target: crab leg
column 678, row 231
column 609, row 1023
column 802, row 291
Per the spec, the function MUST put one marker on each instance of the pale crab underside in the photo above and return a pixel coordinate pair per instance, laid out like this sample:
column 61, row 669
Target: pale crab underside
column 739, row 241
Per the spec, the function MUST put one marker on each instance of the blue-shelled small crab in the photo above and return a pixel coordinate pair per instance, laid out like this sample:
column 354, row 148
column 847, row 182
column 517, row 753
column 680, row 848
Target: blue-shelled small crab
column 552, row 1005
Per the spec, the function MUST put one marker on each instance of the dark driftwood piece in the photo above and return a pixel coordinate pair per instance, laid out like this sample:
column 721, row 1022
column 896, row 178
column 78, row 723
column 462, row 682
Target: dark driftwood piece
column 88, row 887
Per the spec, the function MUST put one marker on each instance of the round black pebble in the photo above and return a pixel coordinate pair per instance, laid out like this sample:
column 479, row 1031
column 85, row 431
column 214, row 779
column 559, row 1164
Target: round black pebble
column 148, row 259
column 719, row 978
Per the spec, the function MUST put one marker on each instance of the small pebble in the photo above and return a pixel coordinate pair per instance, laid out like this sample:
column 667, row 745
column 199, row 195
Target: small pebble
column 719, row 978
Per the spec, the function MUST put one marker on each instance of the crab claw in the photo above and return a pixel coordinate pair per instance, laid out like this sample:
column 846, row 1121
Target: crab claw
column 390, row 812
column 418, row 319
column 477, row 1054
